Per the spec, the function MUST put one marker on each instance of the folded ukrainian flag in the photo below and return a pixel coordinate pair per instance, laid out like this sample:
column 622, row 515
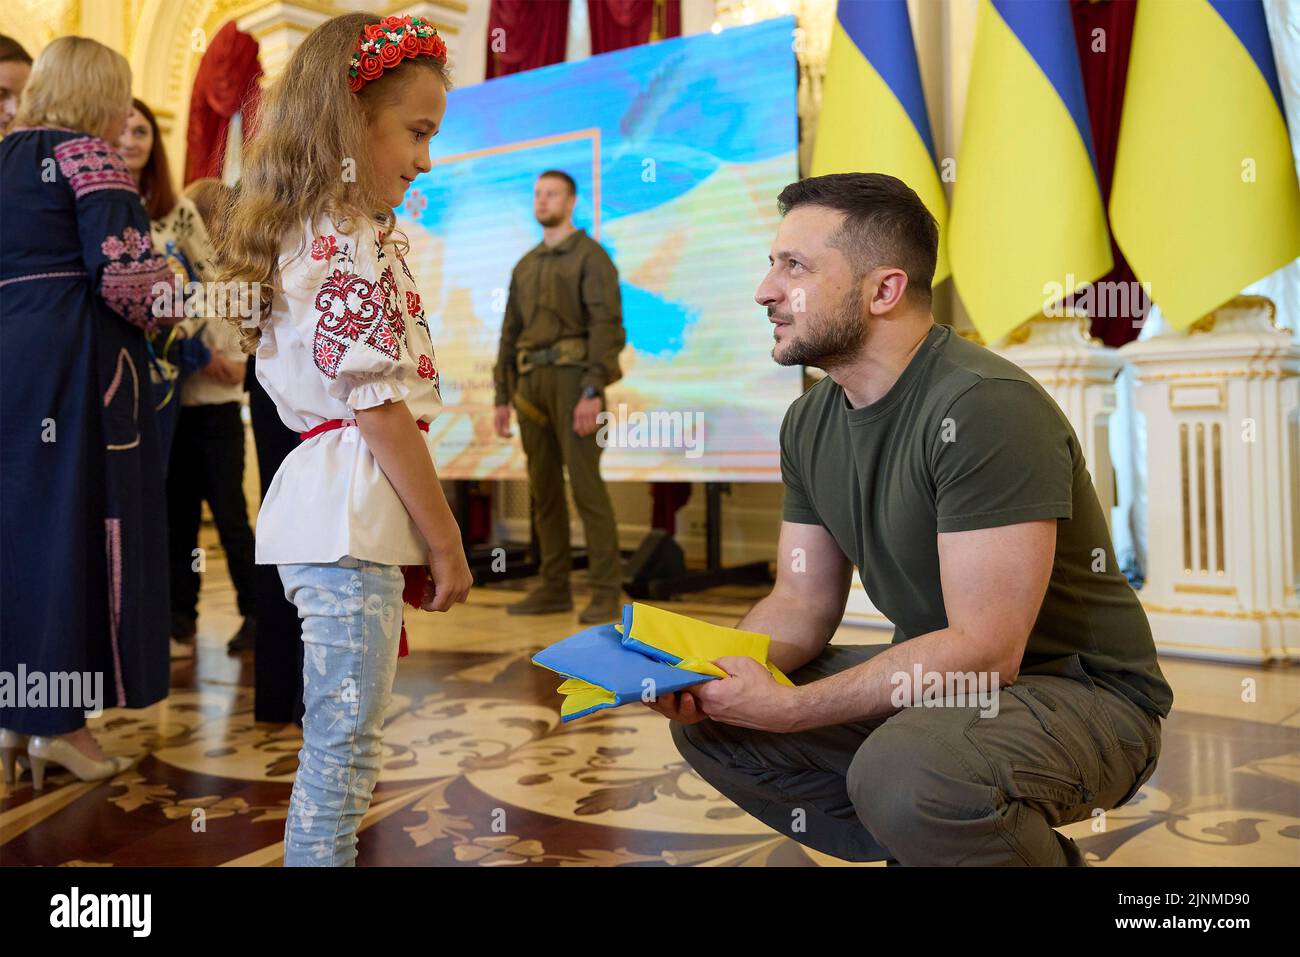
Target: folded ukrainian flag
column 652, row 652
column 603, row 673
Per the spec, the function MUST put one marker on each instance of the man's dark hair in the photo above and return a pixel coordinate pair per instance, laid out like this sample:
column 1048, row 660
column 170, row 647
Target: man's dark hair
column 885, row 223
column 12, row 51
column 560, row 174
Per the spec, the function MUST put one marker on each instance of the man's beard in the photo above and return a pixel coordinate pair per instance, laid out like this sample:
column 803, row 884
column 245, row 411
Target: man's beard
column 828, row 340
column 555, row 219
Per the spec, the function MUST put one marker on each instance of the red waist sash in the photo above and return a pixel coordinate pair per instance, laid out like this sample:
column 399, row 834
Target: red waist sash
column 416, row 575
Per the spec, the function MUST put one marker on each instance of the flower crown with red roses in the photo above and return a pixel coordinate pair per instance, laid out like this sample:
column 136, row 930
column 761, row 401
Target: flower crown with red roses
column 387, row 43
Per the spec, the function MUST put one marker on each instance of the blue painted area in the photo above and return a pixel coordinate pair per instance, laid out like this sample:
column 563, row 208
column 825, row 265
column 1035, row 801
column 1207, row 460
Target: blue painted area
column 656, row 326
column 689, row 104
column 670, row 116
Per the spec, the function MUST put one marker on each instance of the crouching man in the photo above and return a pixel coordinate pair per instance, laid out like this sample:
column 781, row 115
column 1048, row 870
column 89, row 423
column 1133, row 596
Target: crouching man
column 957, row 488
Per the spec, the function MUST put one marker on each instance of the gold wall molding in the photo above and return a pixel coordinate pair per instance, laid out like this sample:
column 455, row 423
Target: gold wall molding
column 1260, row 615
column 1194, row 588
column 1218, row 374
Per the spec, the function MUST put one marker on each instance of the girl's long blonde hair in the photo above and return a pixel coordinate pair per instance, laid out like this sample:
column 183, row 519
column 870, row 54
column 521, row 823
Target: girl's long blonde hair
column 308, row 155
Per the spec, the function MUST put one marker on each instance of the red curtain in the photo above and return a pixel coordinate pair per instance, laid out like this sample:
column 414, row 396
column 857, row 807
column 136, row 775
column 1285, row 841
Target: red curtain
column 532, row 33
column 666, row 499
column 616, row 24
column 226, row 82
column 1104, row 75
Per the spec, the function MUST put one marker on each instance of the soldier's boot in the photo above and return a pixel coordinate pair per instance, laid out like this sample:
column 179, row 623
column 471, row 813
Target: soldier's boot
column 606, row 606
column 545, row 600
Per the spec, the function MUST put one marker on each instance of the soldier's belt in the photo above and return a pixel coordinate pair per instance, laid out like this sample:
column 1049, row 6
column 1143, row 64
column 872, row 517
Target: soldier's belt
column 570, row 351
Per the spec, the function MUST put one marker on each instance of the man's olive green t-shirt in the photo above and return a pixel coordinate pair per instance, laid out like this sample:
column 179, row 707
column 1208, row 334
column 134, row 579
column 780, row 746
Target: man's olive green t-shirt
column 964, row 440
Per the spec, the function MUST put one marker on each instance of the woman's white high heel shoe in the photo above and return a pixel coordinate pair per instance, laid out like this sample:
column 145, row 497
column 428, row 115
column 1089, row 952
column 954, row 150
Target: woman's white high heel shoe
column 12, row 746
column 42, row 750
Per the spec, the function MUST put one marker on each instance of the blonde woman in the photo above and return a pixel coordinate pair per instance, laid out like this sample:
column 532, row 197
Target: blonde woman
column 80, row 544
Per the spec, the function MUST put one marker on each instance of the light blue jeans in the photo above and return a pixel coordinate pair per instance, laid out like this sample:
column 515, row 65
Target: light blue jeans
column 351, row 615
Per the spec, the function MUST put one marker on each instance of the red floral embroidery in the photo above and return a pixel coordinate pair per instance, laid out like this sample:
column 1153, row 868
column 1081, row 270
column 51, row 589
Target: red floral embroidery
column 346, row 305
column 351, row 309
column 323, row 247
column 130, row 274
column 133, row 244
column 346, row 311
column 329, row 354
column 386, row 297
column 91, row 164
column 383, row 339
column 426, row 370
column 412, row 304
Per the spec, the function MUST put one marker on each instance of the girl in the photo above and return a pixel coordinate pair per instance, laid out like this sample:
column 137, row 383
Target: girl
column 83, row 553
column 345, row 354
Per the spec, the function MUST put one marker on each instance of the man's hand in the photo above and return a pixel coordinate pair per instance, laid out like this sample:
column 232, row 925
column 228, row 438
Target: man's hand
column 584, row 414
column 679, row 706
column 749, row 698
column 501, row 421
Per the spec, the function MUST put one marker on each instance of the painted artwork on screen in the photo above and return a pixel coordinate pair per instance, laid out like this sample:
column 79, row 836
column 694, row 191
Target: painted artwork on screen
column 679, row 150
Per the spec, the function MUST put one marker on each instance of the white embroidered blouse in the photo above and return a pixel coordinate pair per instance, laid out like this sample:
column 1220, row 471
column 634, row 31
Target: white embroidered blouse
column 346, row 332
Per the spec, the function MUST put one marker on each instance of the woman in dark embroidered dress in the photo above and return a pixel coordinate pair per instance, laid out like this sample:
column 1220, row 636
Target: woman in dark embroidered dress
column 81, row 550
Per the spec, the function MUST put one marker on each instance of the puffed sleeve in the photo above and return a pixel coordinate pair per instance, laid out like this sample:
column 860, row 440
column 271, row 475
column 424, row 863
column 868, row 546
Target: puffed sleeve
column 115, row 237
column 343, row 302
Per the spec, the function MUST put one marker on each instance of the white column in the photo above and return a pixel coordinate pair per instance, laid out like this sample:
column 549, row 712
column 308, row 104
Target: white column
column 462, row 24
column 278, row 28
column 1222, row 412
column 697, row 16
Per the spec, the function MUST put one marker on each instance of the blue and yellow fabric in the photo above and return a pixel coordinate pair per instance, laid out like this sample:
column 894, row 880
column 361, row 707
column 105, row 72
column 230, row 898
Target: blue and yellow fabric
column 1027, row 213
column 692, row 645
column 873, row 114
column 651, row 652
column 1205, row 199
column 603, row 673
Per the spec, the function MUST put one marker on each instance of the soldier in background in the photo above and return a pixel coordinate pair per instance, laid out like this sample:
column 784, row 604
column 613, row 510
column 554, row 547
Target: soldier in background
column 560, row 340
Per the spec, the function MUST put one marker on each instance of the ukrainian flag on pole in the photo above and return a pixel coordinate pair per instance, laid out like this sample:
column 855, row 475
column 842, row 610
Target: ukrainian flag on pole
column 873, row 117
column 1205, row 199
column 1026, row 209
